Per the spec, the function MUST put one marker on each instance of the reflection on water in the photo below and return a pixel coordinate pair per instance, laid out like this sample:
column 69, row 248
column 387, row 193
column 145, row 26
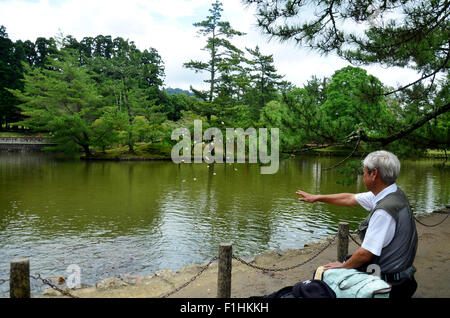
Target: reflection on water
column 116, row 218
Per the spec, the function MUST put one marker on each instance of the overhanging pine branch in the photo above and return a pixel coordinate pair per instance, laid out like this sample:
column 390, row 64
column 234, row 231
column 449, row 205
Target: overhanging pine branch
column 443, row 66
column 406, row 131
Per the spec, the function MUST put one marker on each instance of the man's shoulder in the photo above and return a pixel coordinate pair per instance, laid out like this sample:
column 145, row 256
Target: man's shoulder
column 382, row 214
column 367, row 194
column 365, row 199
column 393, row 202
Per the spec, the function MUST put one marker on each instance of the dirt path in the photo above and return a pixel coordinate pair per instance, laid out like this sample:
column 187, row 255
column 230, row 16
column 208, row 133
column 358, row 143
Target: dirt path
column 432, row 263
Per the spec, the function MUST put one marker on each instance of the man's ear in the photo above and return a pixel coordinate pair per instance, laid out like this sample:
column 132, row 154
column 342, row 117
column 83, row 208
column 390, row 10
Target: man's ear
column 373, row 173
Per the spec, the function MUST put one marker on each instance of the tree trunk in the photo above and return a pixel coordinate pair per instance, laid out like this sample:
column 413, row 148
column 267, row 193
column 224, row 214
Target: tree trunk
column 85, row 145
column 87, row 151
column 213, row 75
column 130, row 118
column 213, row 68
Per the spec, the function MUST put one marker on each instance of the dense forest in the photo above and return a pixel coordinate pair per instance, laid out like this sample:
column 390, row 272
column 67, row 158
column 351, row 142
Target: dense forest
column 101, row 93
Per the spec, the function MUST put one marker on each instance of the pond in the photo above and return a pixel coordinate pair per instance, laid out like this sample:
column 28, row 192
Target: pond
column 119, row 218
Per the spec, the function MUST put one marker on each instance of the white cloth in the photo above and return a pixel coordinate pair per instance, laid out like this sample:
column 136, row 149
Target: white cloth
column 381, row 229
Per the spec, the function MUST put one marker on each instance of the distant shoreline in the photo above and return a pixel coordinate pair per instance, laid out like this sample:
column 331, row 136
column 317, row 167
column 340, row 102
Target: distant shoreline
column 283, row 155
column 9, row 139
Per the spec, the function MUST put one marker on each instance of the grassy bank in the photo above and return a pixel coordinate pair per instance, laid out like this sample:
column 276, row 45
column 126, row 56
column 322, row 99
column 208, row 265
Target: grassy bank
column 158, row 151
column 345, row 151
column 18, row 134
column 142, row 151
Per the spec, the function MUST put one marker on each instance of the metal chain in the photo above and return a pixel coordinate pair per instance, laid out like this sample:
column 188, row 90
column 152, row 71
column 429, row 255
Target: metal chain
column 286, row 268
column 427, row 225
column 192, row 279
column 47, row 282
column 2, row 281
column 353, row 239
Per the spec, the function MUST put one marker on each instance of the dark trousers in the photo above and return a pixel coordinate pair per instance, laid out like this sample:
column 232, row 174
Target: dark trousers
column 404, row 288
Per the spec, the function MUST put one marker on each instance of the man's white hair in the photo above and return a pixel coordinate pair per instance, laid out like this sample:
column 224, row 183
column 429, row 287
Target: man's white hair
column 386, row 163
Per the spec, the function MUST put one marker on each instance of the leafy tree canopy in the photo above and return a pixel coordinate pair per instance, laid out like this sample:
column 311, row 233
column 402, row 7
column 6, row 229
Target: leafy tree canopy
column 63, row 100
column 403, row 33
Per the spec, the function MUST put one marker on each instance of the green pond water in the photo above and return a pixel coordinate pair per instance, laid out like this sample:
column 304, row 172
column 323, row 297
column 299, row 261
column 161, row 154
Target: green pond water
column 120, row 218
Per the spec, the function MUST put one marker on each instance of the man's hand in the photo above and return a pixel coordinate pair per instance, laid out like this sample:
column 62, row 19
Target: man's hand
column 333, row 265
column 358, row 259
column 306, row 197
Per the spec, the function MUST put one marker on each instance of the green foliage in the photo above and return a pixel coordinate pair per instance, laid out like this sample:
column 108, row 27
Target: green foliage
column 11, row 70
column 141, row 129
column 349, row 172
column 237, row 116
column 236, row 82
column 62, row 99
column 99, row 92
column 264, row 80
column 354, row 100
column 132, row 80
column 401, row 33
column 177, row 91
column 219, row 48
column 277, row 115
column 106, row 94
column 299, row 116
column 107, row 128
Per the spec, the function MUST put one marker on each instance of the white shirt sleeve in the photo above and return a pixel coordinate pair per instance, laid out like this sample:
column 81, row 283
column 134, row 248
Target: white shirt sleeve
column 380, row 232
column 365, row 200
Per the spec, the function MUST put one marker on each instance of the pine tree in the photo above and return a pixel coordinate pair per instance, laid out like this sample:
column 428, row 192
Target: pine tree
column 11, row 73
column 264, row 78
column 220, row 50
column 61, row 99
column 396, row 33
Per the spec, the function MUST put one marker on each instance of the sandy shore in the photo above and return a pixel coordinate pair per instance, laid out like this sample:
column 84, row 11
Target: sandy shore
column 432, row 263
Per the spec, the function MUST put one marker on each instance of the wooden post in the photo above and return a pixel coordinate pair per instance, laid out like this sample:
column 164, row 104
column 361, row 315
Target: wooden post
column 19, row 281
column 224, row 271
column 342, row 247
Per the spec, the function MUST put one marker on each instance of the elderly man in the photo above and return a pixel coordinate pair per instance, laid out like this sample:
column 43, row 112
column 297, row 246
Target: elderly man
column 388, row 234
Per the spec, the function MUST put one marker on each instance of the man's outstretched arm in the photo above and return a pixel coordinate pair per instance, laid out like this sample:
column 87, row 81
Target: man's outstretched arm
column 341, row 199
